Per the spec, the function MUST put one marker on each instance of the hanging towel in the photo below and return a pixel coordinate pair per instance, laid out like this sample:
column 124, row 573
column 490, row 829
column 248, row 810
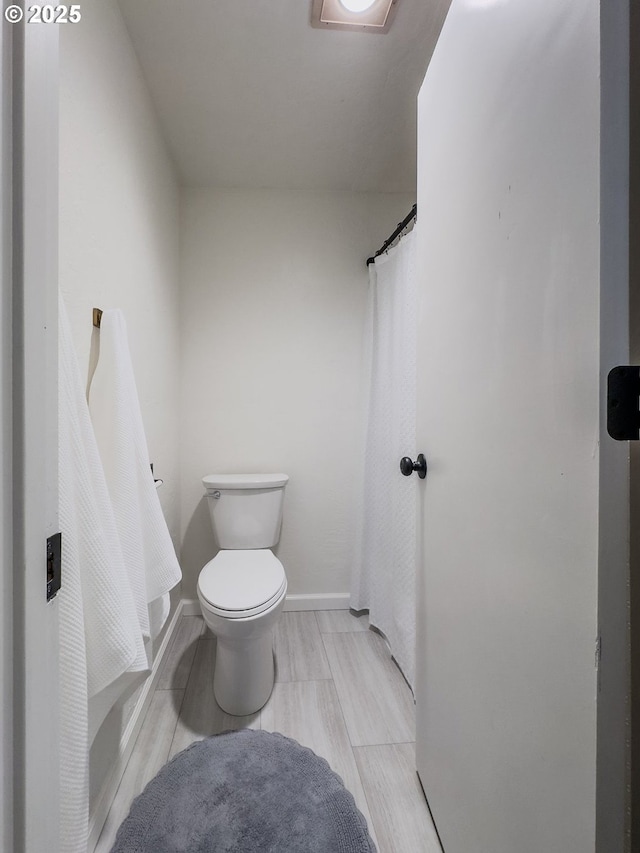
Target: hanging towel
column 98, row 626
column 147, row 548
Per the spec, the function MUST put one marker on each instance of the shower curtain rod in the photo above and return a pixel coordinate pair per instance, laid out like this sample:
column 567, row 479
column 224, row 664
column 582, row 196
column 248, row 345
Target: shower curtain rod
column 401, row 226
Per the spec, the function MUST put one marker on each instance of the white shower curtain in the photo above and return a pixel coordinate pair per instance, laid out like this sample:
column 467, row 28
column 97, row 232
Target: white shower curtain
column 383, row 579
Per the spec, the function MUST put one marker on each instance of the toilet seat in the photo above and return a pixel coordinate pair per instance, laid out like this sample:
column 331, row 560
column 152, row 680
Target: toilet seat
column 237, row 584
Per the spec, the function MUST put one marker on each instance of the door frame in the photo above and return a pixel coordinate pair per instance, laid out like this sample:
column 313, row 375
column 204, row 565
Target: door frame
column 633, row 820
column 28, row 433
column 619, row 462
column 6, row 450
column 34, row 379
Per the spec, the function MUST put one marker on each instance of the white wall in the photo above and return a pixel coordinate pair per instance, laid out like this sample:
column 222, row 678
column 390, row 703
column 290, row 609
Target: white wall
column 119, row 231
column 274, row 292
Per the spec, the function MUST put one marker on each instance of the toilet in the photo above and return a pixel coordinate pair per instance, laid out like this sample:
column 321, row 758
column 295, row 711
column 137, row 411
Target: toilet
column 242, row 590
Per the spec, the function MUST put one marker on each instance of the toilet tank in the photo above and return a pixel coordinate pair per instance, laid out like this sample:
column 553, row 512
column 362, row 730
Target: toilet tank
column 245, row 509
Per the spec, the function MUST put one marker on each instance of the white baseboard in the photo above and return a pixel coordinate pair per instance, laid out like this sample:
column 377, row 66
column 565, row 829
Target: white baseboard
column 127, row 741
column 318, row 601
column 307, row 601
column 191, row 607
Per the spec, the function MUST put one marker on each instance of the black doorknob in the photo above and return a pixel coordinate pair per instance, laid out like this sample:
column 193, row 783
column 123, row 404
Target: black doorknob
column 408, row 467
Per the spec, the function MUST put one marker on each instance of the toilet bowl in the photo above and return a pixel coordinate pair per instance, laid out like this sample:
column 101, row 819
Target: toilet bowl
column 243, row 588
column 241, row 595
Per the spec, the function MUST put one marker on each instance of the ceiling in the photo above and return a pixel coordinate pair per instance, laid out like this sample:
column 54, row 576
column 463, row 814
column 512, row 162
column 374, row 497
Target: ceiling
column 250, row 95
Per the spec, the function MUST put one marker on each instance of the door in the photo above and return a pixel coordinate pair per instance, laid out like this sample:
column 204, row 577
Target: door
column 508, row 418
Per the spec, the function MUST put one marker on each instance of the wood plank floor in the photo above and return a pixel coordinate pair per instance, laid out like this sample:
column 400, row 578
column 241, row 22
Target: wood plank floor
column 336, row 691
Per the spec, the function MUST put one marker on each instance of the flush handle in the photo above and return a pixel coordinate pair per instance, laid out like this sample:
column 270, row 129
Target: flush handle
column 215, row 495
column 407, row 466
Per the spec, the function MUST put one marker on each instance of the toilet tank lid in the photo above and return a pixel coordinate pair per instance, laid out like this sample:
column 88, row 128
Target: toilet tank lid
column 245, row 481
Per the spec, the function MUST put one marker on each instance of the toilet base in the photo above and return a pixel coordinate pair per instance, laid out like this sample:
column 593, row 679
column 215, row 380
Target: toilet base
column 244, row 668
column 244, row 674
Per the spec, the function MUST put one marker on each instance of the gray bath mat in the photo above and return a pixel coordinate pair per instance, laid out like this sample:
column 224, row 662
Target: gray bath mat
column 245, row 792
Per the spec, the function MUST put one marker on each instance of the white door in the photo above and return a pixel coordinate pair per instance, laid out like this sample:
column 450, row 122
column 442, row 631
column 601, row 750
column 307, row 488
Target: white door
column 508, row 418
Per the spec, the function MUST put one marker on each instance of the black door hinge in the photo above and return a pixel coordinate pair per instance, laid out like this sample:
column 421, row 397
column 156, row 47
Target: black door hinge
column 623, row 403
column 54, row 565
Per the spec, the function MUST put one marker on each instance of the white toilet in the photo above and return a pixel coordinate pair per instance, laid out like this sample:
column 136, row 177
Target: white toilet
column 242, row 590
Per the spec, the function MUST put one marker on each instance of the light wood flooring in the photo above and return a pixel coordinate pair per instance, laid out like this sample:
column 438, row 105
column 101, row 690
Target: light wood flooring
column 337, row 691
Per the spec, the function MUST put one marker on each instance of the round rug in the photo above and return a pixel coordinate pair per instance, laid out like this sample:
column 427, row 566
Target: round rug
column 245, row 792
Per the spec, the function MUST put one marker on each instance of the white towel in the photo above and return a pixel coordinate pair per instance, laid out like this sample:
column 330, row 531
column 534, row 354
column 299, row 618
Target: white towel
column 148, row 551
column 99, row 632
